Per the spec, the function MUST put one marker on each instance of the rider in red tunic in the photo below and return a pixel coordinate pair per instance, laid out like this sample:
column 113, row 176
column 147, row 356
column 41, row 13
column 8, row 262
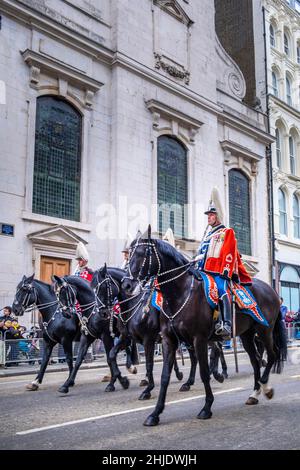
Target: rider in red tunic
column 82, row 269
column 218, row 255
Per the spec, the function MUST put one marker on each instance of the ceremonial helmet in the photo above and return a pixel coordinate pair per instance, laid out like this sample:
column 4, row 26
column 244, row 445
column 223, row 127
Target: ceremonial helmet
column 81, row 252
column 215, row 205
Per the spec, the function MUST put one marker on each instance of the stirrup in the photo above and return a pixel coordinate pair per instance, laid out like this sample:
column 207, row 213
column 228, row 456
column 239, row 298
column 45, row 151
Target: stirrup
column 223, row 330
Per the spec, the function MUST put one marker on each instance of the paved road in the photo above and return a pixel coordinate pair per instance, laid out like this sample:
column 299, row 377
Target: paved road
column 89, row 418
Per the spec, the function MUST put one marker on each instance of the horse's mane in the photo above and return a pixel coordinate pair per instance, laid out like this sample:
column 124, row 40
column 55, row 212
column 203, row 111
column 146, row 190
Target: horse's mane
column 49, row 287
column 78, row 282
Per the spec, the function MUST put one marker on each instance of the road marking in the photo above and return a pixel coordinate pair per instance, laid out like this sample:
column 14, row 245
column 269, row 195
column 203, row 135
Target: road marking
column 119, row 413
column 295, row 376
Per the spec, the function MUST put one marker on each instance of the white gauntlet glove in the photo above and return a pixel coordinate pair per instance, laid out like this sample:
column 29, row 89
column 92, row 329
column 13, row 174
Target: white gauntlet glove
column 199, row 258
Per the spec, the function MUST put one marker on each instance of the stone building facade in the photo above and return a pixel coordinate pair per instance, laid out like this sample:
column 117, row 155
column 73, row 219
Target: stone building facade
column 110, row 109
column 283, row 58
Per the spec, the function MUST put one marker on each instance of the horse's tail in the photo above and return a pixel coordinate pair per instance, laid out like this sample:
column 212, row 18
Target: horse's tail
column 280, row 344
column 134, row 353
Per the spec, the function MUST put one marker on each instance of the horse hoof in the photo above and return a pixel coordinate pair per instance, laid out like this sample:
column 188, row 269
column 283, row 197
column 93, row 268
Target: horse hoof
column 144, row 383
column 204, row 414
column 145, row 396
column 32, row 387
column 71, row 384
column 110, row 388
column 219, row 378
column 225, row 375
column 151, row 421
column 124, row 382
column 185, row 388
column 251, row 401
column 132, row 370
column 179, row 376
column 63, row 389
column 269, row 394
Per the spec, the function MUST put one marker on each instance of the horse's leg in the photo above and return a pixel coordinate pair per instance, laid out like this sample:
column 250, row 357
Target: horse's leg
column 249, row 346
column 132, row 369
column 85, row 342
column 223, row 361
column 214, row 362
column 111, row 356
column 169, row 352
column 68, row 349
column 149, row 345
column 34, row 385
column 201, row 348
column 179, row 374
column 271, row 356
column 191, row 380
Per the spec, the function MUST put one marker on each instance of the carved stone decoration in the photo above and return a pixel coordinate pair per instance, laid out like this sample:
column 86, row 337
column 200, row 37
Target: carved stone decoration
column 230, row 78
column 176, row 72
column 89, row 96
column 34, row 75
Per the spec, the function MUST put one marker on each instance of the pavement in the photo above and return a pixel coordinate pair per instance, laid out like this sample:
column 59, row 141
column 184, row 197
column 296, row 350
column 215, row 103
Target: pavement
column 100, row 362
column 87, row 418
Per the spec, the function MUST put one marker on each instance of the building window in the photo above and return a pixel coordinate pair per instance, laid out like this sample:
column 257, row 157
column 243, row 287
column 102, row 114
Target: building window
column 296, row 214
column 290, row 288
column 275, row 84
column 282, row 212
column 172, row 189
column 292, row 154
column 288, row 91
column 57, row 159
column 278, row 148
column 239, row 210
column 272, row 36
column 286, row 45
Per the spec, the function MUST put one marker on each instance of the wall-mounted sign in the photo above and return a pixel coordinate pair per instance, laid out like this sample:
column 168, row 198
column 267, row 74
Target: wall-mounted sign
column 7, row 229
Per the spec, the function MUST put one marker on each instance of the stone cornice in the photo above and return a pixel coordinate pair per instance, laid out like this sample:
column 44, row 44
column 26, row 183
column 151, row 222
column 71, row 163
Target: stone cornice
column 40, row 62
column 283, row 105
column 173, row 8
column 239, row 150
column 161, row 108
column 88, row 44
column 246, row 128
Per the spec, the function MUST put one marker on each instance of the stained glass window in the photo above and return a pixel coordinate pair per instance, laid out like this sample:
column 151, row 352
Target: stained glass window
column 57, row 159
column 239, row 210
column 172, row 186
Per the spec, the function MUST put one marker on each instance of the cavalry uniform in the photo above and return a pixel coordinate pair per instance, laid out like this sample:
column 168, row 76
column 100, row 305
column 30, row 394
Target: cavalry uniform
column 218, row 256
column 83, row 271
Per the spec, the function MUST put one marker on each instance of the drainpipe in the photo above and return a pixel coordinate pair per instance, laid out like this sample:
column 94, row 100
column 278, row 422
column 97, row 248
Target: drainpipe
column 269, row 167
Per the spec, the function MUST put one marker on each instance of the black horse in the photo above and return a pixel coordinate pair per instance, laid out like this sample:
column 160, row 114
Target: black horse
column 192, row 322
column 139, row 320
column 56, row 327
column 95, row 323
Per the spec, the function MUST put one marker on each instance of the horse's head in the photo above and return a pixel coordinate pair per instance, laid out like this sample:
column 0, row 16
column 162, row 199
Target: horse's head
column 66, row 295
column 106, row 289
column 144, row 264
column 25, row 295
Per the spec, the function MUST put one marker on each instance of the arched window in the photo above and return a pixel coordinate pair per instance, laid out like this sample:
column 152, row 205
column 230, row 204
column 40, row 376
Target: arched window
column 290, row 288
column 57, row 159
column 239, row 210
column 172, row 190
column 278, row 148
column 286, row 44
column 282, row 212
column 272, row 36
column 292, row 154
column 274, row 84
column 296, row 214
column 288, row 91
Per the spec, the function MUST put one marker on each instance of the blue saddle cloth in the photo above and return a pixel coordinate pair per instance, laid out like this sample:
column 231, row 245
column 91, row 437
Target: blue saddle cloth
column 243, row 297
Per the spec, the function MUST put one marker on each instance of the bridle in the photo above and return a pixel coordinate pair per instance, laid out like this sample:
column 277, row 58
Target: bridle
column 74, row 307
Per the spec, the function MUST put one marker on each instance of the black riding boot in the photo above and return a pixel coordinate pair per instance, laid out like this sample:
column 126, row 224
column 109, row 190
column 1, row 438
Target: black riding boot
column 223, row 329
